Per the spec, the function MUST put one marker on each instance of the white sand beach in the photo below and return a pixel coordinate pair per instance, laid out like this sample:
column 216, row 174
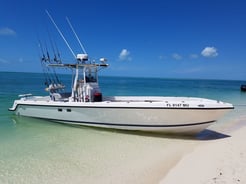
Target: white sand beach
column 215, row 161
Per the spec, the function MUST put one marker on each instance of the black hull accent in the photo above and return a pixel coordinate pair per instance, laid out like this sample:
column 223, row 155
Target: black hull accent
column 124, row 125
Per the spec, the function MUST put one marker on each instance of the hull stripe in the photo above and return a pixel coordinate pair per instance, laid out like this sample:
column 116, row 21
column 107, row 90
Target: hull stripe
column 125, row 125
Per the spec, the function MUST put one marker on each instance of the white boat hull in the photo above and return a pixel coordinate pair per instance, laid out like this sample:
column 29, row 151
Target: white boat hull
column 167, row 115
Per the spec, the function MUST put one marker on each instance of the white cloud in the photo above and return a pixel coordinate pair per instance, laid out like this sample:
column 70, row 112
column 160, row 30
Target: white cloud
column 125, row 55
column 209, row 52
column 5, row 31
column 177, row 56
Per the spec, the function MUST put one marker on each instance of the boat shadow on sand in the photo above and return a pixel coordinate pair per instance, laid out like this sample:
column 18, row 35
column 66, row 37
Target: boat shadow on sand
column 205, row 135
column 211, row 135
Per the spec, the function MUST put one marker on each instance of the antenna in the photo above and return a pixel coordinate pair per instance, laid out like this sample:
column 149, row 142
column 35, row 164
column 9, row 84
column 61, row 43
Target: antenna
column 82, row 47
column 52, row 20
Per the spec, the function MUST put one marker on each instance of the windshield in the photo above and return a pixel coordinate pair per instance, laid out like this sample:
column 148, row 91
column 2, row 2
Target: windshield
column 91, row 75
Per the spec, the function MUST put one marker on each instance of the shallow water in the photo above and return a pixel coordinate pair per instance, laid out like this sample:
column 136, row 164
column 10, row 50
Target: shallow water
column 38, row 151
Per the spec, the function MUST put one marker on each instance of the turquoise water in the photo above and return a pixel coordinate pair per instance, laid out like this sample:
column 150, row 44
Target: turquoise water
column 38, row 151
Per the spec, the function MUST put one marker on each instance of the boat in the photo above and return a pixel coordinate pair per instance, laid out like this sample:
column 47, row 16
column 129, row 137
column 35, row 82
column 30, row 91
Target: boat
column 243, row 87
column 86, row 105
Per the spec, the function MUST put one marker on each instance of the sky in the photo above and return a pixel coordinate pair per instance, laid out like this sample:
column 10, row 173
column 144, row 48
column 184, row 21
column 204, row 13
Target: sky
column 197, row 39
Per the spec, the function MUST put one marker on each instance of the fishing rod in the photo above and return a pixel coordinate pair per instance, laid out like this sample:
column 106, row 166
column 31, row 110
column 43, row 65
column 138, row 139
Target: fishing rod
column 55, row 60
column 58, row 53
column 44, row 67
column 44, row 72
column 49, row 61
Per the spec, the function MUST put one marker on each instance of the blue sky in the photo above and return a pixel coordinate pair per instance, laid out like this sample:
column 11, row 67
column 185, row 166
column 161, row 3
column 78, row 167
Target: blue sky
column 140, row 38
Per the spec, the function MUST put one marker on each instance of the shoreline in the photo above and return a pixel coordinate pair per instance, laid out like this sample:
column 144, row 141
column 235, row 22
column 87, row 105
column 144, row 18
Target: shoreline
column 214, row 161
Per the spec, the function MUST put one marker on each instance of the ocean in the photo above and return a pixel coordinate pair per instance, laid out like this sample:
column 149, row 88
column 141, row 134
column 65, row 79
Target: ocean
column 39, row 151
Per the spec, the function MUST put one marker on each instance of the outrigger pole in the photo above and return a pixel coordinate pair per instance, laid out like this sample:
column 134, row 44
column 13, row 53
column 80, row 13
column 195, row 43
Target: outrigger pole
column 52, row 20
column 82, row 47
